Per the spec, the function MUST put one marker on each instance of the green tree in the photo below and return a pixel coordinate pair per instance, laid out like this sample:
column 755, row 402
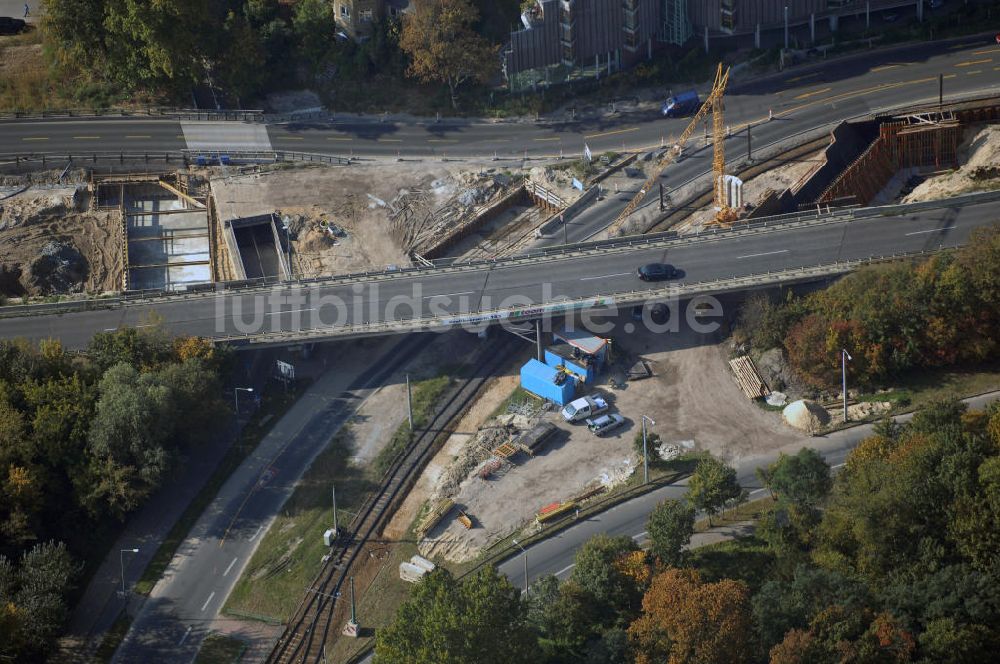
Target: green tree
column 598, row 571
column 670, row 526
column 129, row 440
column 438, row 36
column 947, row 641
column 480, row 620
column 313, row 26
column 803, row 479
column 712, row 485
column 32, row 601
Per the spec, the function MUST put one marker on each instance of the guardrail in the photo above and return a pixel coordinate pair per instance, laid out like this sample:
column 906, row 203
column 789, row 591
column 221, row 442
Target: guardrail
column 201, row 157
column 248, row 115
column 450, row 265
column 611, row 299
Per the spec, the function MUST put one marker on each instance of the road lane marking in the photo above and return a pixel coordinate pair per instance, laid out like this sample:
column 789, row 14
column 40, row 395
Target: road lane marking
column 933, row 230
column 339, row 138
column 640, row 535
column 36, row 138
column 989, row 50
column 290, row 311
column 611, row 133
column 85, row 138
column 606, row 276
column 883, row 68
column 766, row 253
column 185, row 637
column 974, row 62
column 564, row 570
column 974, row 72
column 839, row 465
column 293, row 138
column 138, row 136
column 226, row 573
column 427, row 297
column 442, row 140
column 806, row 95
column 256, row 532
column 803, row 77
column 554, row 138
column 947, row 76
column 205, row 605
column 390, row 140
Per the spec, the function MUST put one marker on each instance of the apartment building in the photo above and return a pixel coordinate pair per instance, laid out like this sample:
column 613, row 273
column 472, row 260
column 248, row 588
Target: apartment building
column 356, row 17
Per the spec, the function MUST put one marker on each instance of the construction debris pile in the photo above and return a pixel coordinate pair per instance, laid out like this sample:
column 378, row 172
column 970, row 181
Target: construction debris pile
column 420, row 223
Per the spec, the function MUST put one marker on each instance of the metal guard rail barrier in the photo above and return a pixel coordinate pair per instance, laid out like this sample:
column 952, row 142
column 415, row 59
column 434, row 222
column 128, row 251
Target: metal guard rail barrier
column 211, row 156
column 248, row 115
column 667, row 238
column 529, row 313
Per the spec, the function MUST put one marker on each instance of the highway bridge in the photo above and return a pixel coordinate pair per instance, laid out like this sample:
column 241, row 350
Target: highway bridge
column 585, row 277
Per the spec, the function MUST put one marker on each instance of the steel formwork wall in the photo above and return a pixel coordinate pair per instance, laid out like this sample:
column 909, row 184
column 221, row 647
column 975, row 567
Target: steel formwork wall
column 676, row 24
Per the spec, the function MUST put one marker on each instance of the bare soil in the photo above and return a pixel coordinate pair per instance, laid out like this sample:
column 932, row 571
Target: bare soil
column 693, row 398
column 39, row 217
column 979, row 156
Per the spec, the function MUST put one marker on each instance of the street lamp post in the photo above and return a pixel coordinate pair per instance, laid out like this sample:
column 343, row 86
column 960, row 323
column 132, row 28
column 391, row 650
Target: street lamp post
column 121, row 560
column 645, row 453
column 844, row 356
column 236, row 396
column 525, row 555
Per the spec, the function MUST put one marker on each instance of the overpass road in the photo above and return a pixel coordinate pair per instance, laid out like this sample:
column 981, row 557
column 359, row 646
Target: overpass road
column 802, row 98
column 439, row 298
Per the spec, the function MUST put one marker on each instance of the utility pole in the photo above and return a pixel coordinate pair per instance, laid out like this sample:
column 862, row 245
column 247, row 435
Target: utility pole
column 645, row 452
column 562, row 218
column 524, row 555
column 333, row 497
column 538, row 340
column 121, row 560
column 844, row 356
column 662, row 206
column 940, row 92
column 749, row 150
column 786, row 27
column 409, row 403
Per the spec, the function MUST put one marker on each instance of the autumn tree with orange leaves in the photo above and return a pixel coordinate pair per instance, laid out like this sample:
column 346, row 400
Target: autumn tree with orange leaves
column 686, row 620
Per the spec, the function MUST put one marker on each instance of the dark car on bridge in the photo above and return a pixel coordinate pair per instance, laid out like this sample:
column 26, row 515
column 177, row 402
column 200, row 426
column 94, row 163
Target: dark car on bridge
column 657, row 272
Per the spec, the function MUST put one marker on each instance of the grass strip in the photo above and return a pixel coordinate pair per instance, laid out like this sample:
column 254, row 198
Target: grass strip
column 425, row 397
column 113, row 638
column 220, row 649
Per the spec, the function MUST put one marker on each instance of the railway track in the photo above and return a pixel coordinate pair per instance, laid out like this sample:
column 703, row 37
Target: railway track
column 305, row 636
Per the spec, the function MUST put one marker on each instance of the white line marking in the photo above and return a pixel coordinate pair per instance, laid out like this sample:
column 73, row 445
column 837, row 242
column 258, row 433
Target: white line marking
column 640, row 535
column 205, row 605
column 290, row 311
column 468, row 292
column 757, row 491
column 256, row 532
column 838, row 465
column 226, row 573
column 565, row 569
column 766, row 253
column 933, row 230
column 606, row 276
column 184, row 638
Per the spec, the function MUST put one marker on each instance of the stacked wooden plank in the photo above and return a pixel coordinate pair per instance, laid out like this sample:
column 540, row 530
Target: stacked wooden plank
column 505, row 451
column 748, row 377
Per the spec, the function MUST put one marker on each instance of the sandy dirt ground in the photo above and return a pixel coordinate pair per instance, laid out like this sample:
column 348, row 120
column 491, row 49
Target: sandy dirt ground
column 692, row 379
column 40, row 217
column 778, row 179
column 979, row 156
column 359, row 201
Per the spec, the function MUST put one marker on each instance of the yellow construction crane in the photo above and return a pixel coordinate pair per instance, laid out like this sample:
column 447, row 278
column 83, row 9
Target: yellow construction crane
column 712, row 104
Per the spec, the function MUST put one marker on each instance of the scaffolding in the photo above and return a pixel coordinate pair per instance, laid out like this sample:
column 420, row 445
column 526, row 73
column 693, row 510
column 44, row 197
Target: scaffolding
column 676, row 24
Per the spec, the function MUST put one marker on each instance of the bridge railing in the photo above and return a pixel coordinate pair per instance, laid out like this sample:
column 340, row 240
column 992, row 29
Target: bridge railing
column 201, row 157
column 246, row 115
column 444, row 266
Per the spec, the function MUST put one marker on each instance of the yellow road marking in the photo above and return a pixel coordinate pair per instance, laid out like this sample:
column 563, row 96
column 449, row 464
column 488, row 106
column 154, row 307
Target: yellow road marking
column 803, row 77
column 611, row 133
column 950, row 75
column 805, row 95
column 390, row 140
column 974, row 62
column 882, row 68
column 339, row 138
column 139, row 136
column 36, row 138
column 554, row 138
column 957, row 46
column 989, row 50
column 85, row 138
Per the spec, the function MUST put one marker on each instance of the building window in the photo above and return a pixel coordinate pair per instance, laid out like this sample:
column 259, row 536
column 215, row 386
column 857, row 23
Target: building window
column 366, row 15
column 345, row 11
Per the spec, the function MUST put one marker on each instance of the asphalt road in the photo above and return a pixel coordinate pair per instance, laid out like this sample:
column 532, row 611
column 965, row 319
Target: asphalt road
column 803, row 98
column 555, row 555
column 176, row 616
column 520, row 282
